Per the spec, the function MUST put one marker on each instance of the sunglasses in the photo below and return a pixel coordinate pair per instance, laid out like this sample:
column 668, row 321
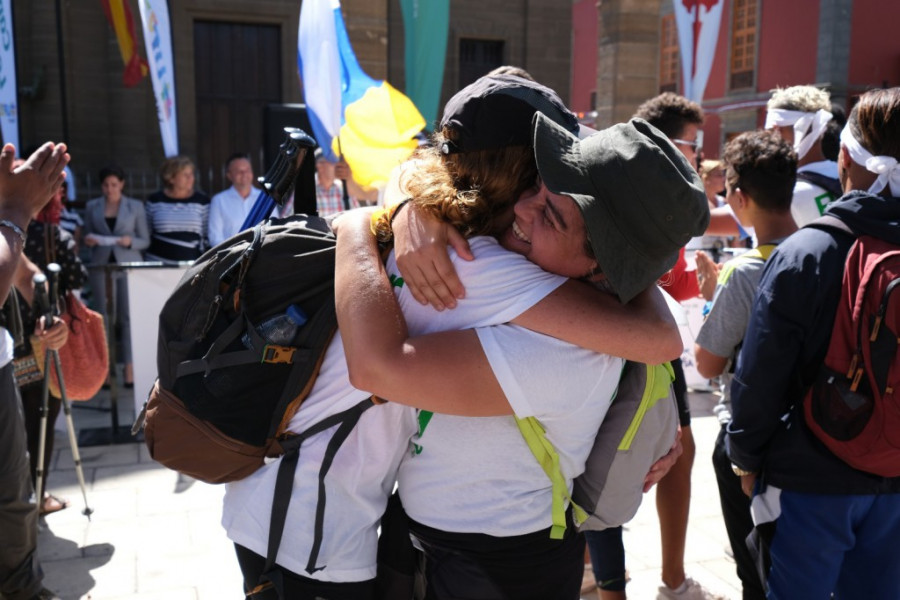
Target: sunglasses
column 693, row 145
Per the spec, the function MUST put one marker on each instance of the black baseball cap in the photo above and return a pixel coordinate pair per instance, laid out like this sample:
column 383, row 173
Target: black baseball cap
column 497, row 110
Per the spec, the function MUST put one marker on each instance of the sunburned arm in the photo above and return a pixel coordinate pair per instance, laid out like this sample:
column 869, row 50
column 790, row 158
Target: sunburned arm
column 452, row 373
column 709, row 365
column 644, row 330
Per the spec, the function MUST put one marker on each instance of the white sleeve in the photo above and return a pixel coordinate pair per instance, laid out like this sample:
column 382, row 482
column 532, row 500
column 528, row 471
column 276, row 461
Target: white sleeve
column 544, row 377
column 216, row 225
column 500, row 285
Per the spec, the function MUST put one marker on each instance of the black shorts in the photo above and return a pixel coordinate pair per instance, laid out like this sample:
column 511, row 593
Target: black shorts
column 681, row 399
column 298, row 586
column 461, row 566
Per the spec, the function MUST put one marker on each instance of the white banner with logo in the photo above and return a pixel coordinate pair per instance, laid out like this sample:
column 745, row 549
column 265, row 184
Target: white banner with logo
column 158, row 42
column 9, row 108
column 698, row 31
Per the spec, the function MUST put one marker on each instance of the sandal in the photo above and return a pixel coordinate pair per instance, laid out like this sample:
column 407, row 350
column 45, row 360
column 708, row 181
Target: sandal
column 52, row 504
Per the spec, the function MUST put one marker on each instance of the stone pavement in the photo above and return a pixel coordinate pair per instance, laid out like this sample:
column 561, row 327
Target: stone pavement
column 154, row 534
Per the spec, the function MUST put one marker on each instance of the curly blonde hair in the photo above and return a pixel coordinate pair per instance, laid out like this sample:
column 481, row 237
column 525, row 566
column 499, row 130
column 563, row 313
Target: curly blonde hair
column 804, row 98
column 469, row 190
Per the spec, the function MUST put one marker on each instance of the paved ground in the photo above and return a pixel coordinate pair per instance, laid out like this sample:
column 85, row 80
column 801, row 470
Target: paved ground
column 155, row 535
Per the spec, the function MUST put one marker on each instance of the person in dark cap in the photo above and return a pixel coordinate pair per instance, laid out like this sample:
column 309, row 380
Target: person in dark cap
column 478, row 502
column 503, row 287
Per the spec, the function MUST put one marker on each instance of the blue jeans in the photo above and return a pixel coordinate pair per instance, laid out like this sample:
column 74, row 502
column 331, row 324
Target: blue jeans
column 845, row 544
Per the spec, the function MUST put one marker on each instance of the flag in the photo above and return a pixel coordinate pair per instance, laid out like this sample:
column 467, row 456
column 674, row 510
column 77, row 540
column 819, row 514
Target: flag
column 698, row 32
column 119, row 16
column 426, row 24
column 367, row 121
column 158, row 43
column 9, row 108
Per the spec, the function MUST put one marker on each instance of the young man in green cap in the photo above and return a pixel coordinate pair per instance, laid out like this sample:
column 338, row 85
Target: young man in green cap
column 480, row 504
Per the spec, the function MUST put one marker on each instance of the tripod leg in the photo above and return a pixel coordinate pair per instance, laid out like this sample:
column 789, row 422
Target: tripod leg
column 70, row 426
column 42, row 437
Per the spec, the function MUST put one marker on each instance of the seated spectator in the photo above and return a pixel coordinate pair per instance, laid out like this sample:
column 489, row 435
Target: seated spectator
column 115, row 230
column 229, row 208
column 177, row 214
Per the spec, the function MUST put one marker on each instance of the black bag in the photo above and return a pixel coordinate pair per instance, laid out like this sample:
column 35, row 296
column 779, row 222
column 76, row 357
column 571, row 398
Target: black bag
column 225, row 395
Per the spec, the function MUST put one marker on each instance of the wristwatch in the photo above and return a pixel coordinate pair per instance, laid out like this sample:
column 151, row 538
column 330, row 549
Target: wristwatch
column 741, row 472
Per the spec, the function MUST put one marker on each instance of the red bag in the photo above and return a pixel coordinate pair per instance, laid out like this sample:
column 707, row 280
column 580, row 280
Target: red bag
column 853, row 406
column 84, row 358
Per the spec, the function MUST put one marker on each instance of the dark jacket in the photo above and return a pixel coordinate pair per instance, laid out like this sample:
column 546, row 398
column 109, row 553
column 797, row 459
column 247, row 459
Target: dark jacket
column 786, row 340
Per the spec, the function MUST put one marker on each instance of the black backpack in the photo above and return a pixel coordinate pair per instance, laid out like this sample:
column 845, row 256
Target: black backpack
column 225, row 394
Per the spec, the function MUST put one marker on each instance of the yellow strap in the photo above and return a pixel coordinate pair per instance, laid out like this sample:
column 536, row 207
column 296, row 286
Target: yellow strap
column 547, row 457
column 659, row 378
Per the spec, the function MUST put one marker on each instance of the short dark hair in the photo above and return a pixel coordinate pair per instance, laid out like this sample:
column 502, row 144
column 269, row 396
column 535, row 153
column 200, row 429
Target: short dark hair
column 670, row 113
column 234, row 157
column 115, row 170
column 764, row 166
column 831, row 139
column 875, row 122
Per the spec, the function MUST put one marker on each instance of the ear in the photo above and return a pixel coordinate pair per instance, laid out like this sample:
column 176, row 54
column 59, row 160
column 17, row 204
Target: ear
column 740, row 197
column 844, row 159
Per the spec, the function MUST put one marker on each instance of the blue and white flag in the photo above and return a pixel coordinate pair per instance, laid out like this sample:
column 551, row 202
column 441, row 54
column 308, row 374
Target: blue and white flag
column 367, row 121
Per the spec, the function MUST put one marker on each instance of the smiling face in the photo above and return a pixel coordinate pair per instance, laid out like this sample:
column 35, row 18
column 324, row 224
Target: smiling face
column 548, row 229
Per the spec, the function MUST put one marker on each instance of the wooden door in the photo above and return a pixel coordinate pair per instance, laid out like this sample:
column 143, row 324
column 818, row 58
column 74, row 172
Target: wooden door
column 238, row 72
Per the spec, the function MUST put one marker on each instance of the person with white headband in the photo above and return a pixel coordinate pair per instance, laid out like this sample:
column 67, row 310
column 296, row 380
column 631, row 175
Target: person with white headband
column 830, row 528
column 801, row 114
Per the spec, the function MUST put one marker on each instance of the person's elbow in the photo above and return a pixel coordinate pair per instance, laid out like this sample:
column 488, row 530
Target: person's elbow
column 709, row 365
column 369, row 373
column 668, row 344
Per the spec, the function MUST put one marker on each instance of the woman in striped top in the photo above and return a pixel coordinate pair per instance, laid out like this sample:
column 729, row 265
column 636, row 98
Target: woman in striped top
column 177, row 214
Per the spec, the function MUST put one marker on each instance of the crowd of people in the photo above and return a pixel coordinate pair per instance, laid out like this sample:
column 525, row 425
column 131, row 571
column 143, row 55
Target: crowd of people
column 529, row 260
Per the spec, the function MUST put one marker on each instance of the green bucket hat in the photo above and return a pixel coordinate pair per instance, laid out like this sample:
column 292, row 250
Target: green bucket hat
column 640, row 199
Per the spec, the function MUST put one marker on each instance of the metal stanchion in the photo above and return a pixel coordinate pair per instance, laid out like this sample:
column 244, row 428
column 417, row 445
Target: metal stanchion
column 49, row 306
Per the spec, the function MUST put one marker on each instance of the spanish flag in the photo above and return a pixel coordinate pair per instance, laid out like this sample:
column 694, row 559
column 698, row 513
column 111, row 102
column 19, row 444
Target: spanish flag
column 367, row 121
column 119, row 16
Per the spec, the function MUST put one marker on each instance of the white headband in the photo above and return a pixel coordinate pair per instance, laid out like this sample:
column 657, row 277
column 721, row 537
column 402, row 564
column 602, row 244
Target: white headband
column 886, row 167
column 803, row 140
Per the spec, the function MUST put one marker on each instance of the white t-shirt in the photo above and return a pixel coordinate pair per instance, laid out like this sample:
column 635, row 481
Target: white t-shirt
column 6, row 347
column 809, row 201
column 478, row 475
column 500, row 285
column 227, row 212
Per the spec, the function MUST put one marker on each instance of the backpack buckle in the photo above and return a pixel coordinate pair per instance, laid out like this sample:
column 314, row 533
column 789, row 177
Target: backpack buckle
column 278, row 354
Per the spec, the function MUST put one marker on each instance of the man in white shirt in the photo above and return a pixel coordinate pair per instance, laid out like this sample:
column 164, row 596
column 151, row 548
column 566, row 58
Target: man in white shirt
column 801, row 114
column 229, row 208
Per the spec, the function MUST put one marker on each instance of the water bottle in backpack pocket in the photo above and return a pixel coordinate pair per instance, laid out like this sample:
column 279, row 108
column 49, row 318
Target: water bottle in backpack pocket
column 280, row 329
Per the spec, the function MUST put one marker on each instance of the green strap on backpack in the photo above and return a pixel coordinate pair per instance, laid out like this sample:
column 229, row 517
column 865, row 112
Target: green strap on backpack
column 657, row 386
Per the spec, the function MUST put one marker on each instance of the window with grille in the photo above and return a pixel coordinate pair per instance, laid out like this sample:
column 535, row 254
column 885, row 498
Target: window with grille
column 743, row 43
column 477, row 58
column 669, row 57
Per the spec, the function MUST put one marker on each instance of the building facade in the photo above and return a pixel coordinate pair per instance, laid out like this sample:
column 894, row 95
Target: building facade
column 234, row 60
column 844, row 46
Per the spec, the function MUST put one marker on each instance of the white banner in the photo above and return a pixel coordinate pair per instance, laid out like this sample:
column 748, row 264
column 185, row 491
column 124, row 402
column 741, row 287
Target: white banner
column 148, row 290
column 158, row 42
column 698, row 31
column 9, row 108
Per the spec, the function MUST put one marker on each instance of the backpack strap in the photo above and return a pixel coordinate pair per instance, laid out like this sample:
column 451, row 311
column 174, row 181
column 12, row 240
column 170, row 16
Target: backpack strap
column 829, row 184
column 659, row 379
column 547, row 456
column 284, row 484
